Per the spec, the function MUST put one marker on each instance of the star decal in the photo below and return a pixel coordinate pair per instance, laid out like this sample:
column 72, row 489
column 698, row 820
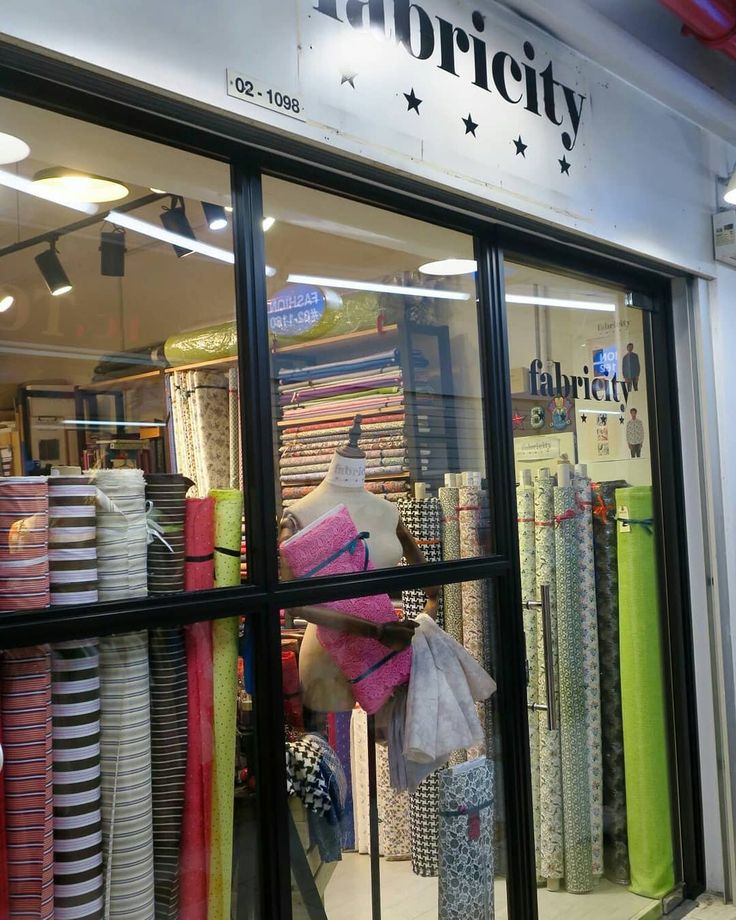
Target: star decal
column 413, row 102
column 520, row 147
column 470, row 125
column 564, row 166
column 602, row 420
column 583, row 418
column 621, row 419
column 349, row 78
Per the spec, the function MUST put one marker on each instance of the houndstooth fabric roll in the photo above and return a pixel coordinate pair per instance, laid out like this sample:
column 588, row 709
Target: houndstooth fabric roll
column 573, row 726
column 24, row 559
column 79, row 883
column 127, row 809
column 591, row 673
column 528, row 563
column 615, row 838
column 550, row 768
column 122, row 535
column 72, row 540
column 466, row 866
column 423, row 519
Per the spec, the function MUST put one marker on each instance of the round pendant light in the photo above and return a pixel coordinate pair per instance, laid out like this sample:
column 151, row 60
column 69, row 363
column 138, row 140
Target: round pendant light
column 79, row 186
column 12, row 149
column 6, row 301
column 449, row 267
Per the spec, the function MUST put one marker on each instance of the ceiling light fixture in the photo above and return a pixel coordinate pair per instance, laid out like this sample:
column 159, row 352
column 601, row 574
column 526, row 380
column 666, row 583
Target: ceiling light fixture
column 52, row 270
column 12, row 149
column 73, row 185
column 214, row 215
column 229, row 208
column 175, row 220
column 595, row 306
column 378, row 288
column 20, row 184
column 158, row 191
column 449, row 267
column 112, row 253
column 187, row 244
column 270, row 271
column 268, row 222
column 6, row 302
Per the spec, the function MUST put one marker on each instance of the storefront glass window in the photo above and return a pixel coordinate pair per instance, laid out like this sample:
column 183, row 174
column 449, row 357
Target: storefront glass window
column 588, row 534
column 359, row 706
column 374, row 327
column 128, row 786
column 121, row 468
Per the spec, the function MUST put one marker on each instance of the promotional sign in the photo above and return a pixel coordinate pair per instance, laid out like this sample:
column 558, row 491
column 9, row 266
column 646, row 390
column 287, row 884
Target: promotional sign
column 295, row 309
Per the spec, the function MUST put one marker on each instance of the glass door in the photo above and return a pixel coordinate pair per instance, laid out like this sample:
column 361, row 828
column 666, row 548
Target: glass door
column 582, row 406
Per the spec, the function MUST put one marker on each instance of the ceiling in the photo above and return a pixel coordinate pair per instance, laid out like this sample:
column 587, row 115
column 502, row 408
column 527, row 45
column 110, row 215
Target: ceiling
column 660, row 29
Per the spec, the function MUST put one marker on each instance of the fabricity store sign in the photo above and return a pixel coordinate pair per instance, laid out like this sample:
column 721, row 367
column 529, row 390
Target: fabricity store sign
column 441, row 81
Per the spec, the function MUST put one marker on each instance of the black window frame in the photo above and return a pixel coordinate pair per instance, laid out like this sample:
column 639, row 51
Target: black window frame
column 34, row 78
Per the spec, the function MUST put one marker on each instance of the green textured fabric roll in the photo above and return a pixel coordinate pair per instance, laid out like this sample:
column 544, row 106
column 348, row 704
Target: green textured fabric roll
column 211, row 342
column 642, row 699
column 228, row 521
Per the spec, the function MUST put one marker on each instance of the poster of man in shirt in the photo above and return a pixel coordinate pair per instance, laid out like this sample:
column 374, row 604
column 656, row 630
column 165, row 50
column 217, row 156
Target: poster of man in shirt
column 631, row 367
column 634, row 434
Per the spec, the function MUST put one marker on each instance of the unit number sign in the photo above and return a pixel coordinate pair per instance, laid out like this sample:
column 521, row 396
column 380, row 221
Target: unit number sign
column 243, row 87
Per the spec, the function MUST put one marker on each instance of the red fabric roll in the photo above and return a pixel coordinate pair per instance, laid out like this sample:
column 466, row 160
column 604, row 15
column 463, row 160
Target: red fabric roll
column 196, row 821
column 25, row 710
column 24, row 555
column 4, row 898
column 291, row 688
column 199, row 544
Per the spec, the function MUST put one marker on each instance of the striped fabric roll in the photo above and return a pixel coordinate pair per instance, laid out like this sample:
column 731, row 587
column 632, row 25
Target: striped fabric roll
column 165, row 503
column 168, row 668
column 78, row 870
column 4, row 897
column 121, row 534
column 127, row 813
column 25, row 710
column 24, row 559
column 72, row 540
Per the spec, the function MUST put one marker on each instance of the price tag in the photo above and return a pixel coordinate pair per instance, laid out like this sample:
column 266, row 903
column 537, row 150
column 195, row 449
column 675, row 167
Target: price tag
column 623, row 519
column 268, row 97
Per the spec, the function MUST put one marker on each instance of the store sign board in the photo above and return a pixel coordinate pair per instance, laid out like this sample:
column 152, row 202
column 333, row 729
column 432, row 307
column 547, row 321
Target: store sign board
column 488, row 99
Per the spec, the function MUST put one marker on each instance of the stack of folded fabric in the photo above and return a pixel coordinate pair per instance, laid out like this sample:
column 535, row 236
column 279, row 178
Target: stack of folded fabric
column 318, row 404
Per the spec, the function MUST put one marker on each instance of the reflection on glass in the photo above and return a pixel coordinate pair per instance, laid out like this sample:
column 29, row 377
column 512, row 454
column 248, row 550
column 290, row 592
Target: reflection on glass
column 128, row 776
column 372, row 315
column 118, row 375
column 587, row 532
column 363, row 686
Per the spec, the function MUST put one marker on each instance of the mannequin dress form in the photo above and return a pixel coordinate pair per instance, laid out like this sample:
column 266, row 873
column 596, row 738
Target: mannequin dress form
column 324, row 687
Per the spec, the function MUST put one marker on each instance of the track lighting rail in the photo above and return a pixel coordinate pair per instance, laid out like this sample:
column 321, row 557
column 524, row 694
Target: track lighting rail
column 52, row 235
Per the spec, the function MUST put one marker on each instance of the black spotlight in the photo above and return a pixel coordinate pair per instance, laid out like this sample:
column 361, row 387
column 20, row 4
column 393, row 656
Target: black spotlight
column 214, row 215
column 112, row 253
column 52, row 271
column 175, row 220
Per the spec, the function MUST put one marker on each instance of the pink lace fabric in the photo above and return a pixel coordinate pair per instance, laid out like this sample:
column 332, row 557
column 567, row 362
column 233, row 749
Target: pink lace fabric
column 333, row 546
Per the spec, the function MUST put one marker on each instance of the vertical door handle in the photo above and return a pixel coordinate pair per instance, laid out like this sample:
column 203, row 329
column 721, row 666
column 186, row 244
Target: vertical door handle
column 549, row 658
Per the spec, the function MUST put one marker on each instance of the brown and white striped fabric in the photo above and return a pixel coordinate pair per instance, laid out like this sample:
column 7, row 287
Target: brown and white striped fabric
column 24, row 559
column 127, row 813
column 165, row 510
column 25, row 710
column 75, row 695
column 121, row 534
column 169, row 719
column 72, row 540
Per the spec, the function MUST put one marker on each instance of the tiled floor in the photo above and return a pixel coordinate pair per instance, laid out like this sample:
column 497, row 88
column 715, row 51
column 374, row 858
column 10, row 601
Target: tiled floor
column 708, row 907
column 409, row 897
